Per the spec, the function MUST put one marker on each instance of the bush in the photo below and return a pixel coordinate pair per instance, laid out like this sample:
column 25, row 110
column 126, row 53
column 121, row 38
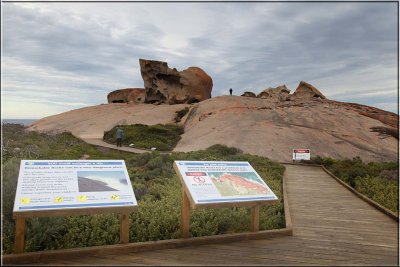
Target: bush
column 162, row 137
column 382, row 191
column 376, row 180
column 180, row 114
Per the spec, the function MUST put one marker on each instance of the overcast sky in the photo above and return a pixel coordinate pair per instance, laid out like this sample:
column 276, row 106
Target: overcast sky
column 62, row 56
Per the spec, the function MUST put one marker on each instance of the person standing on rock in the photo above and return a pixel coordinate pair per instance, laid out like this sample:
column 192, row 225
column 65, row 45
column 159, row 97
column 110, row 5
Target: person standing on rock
column 119, row 136
column 230, row 91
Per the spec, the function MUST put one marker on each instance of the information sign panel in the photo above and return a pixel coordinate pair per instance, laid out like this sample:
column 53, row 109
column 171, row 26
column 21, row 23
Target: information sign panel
column 71, row 184
column 299, row 154
column 221, row 181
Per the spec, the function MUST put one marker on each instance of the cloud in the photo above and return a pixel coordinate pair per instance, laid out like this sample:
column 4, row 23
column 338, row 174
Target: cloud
column 79, row 52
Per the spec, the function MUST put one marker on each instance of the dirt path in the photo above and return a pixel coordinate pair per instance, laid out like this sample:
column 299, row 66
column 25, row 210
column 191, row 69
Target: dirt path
column 101, row 143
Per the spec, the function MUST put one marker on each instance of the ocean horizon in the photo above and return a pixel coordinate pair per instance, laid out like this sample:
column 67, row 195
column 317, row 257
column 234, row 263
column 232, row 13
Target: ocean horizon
column 25, row 122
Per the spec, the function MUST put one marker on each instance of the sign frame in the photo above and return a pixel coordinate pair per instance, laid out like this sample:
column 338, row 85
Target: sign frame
column 188, row 201
column 237, row 203
column 304, row 152
column 20, row 216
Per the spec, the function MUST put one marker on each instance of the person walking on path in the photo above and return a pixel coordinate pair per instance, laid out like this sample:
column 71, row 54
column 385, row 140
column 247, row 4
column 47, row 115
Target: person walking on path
column 119, row 136
column 230, row 91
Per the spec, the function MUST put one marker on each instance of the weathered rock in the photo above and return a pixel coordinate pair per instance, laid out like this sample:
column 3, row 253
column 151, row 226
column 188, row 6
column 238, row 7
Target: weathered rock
column 386, row 117
column 249, row 94
column 328, row 128
column 280, row 93
column 196, row 82
column 306, row 90
column 165, row 85
column 127, row 95
column 256, row 126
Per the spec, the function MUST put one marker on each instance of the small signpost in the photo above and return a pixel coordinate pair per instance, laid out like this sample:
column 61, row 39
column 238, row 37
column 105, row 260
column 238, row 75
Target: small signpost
column 217, row 184
column 301, row 154
column 72, row 187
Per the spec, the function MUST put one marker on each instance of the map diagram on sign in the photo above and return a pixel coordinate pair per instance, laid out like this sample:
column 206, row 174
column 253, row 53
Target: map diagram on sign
column 219, row 182
column 237, row 183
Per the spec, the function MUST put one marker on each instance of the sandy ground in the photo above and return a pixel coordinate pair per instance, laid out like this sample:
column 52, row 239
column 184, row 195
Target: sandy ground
column 101, row 143
column 256, row 126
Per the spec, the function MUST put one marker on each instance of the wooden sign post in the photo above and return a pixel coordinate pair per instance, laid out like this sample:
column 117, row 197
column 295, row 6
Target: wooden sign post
column 218, row 184
column 255, row 218
column 68, row 188
column 124, row 228
column 185, row 215
column 19, row 235
column 20, row 226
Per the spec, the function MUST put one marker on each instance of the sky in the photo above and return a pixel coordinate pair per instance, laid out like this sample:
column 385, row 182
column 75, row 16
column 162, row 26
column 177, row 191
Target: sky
column 62, row 56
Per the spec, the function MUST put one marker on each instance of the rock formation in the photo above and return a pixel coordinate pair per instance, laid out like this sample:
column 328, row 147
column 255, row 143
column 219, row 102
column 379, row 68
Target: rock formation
column 165, row 85
column 280, row 93
column 127, row 95
column 249, row 94
column 306, row 90
column 386, row 117
column 273, row 128
column 256, row 126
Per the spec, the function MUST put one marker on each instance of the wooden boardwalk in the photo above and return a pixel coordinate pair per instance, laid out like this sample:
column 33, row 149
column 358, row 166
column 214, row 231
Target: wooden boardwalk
column 331, row 226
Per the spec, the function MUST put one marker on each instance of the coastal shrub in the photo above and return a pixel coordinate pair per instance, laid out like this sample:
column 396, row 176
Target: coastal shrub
column 44, row 232
column 94, row 230
column 180, row 114
column 162, row 137
column 383, row 191
column 377, row 180
column 156, row 186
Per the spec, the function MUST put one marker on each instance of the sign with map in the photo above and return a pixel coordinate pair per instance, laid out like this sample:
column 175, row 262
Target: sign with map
column 71, row 184
column 299, row 154
column 222, row 181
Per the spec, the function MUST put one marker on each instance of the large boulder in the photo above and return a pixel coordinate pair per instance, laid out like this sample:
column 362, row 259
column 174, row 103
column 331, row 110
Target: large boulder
column 127, row 95
column 165, row 85
column 249, row 94
column 280, row 93
column 306, row 90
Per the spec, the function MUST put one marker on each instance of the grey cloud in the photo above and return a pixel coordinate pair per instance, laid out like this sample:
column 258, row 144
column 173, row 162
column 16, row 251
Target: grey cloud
column 240, row 45
column 44, row 40
column 365, row 99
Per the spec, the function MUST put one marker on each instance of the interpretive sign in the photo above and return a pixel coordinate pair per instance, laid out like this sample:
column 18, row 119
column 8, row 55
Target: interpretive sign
column 72, row 187
column 210, row 182
column 72, row 184
column 299, row 154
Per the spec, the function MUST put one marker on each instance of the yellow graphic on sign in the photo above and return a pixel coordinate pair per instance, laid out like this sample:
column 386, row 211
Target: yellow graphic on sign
column 25, row 200
column 114, row 197
column 58, row 199
column 82, row 198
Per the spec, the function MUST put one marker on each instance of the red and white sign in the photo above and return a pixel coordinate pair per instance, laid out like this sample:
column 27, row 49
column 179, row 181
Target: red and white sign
column 299, row 154
column 199, row 180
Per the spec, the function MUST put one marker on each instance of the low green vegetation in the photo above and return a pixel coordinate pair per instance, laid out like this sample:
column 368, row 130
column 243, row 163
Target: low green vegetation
column 180, row 114
column 377, row 180
column 156, row 186
column 162, row 137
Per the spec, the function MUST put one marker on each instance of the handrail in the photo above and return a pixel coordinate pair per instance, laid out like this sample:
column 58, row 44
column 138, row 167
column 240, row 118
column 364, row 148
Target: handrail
column 376, row 205
column 371, row 202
